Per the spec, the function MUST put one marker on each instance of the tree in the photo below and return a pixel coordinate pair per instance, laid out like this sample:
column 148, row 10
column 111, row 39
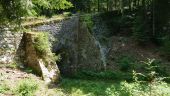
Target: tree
column 13, row 10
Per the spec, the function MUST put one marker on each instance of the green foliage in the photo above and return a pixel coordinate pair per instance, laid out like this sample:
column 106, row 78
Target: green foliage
column 4, row 88
column 13, row 10
column 88, row 20
column 103, row 75
column 28, row 70
column 48, row 7
column 26, row 87
column 85, row 5
column 75, row 87
column 13, row 65
column 42, row 46
column 154, row 83
column 126, row 63
column 137, row 89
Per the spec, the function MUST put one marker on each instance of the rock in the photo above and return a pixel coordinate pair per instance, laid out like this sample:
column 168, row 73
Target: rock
column 76, row 45
column 49, row 75
column 48, row 70
column 8, row 45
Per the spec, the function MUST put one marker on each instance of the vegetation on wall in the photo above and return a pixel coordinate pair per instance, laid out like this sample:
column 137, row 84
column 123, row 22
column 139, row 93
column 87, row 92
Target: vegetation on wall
column 43, row 48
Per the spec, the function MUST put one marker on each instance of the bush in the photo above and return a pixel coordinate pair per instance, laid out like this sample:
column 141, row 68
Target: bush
column 153, row 83
column 26, row 87
column 126, row 63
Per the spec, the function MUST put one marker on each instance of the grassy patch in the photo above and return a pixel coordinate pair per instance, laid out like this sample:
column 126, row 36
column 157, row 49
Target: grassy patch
column 126, row 63
column 34, row 21
column 103, row 75
column 84, row 87
column 75, row 87
column 26, row 87
column 4, row 88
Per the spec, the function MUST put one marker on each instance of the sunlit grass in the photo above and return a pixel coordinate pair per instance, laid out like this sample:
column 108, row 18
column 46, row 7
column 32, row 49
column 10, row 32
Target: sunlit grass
column 79, row 87
column 28, row 21
column 75, row 87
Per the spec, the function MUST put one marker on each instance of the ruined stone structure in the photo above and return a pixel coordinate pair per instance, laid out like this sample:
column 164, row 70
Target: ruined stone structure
column 78, row 48
column 9, row 43
column 70, row 38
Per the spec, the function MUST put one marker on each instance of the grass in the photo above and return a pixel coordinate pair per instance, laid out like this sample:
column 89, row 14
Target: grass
column 79, row 87
column 84, row 87
column 4, row 88
column 75, row 87
column 26, row 87
column 11, row 65
column 34, row 21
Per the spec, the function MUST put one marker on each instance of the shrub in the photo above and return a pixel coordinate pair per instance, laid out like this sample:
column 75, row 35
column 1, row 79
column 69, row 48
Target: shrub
column 126, row 63
column 153, row 83
column 26, row 87
column 138, row 89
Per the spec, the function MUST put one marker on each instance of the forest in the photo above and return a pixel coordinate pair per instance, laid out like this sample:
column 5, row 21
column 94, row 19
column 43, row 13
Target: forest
column 84, row 48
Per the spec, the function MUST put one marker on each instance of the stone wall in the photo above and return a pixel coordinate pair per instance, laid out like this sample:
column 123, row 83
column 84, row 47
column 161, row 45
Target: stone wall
column 70, row 38
column 9, row 43
column 47, row 69
column 76, row 45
